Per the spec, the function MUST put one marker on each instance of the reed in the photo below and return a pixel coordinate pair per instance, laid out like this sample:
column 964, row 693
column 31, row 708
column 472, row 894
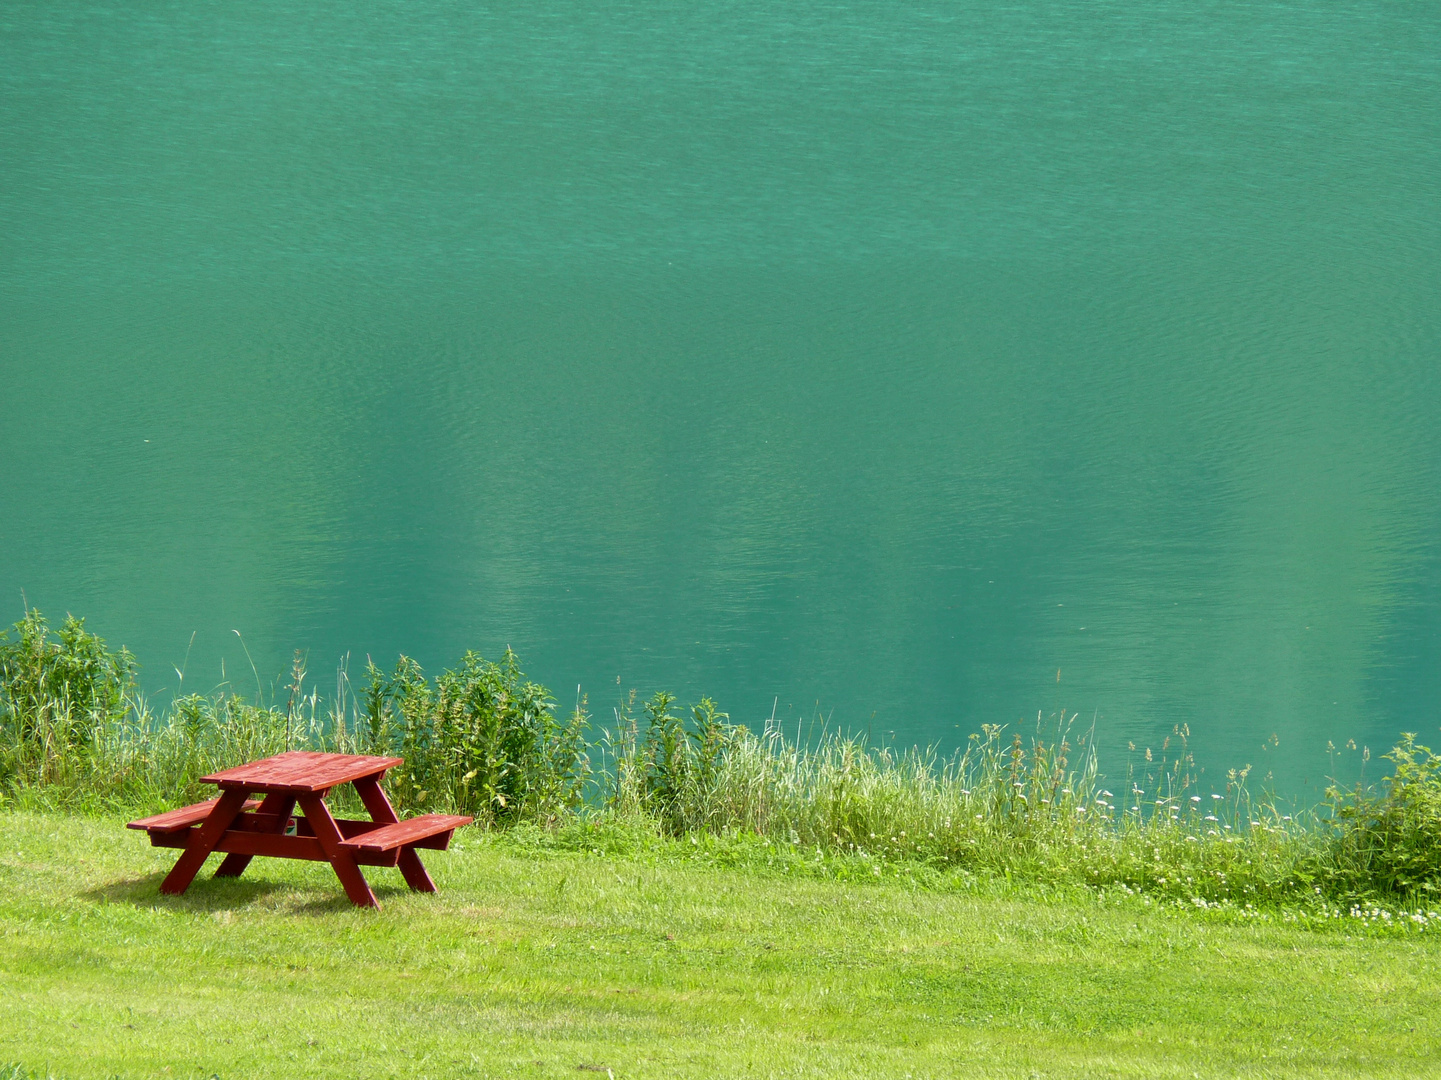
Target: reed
column 79, row 735
column 1029, row 805
column 1019, row 805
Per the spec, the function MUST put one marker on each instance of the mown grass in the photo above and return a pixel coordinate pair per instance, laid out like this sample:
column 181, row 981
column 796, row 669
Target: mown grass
column 603, row 947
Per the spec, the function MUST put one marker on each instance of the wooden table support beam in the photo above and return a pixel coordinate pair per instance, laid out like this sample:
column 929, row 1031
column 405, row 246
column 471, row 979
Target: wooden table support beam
column 326, row 831
column 277, row 803
column 201, row 841
column 378, row 806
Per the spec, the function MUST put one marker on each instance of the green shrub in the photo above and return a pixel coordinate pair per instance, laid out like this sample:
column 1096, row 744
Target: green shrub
column 1389, row 842
column 483, row 740
column 54, row 694
column 671, row 772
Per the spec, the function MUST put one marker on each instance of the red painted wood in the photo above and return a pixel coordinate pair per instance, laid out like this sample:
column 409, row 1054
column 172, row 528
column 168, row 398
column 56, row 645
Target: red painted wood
column 280, row 846
column 259, row 822
column 407, row 832
column 348, row 826
column 302, row 771
column 243, row 828
column 352, row 827
column 341, row 859
column 373, row 796
column 272, row 817
column 411, row 868
column 201, row 841
column 183, row 818
column 275, row 845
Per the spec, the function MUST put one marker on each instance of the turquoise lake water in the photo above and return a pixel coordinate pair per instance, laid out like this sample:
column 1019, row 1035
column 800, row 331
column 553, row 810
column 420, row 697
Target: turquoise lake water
column 869, row 361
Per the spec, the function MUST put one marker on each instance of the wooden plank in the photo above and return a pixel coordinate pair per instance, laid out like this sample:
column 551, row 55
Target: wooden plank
column 246, row 845
column 352, row 827
column 408, row 832
column 348, row 827
column 343, row 860
column 201, row 841
column 255, row 822
column 262, row 822
column 273, row 817
column 274, row 845
column 378, row 805
column 302, row 771
column 182, row 818
column 313, row 772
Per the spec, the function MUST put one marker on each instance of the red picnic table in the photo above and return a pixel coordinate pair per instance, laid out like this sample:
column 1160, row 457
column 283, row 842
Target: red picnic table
column 242, row 827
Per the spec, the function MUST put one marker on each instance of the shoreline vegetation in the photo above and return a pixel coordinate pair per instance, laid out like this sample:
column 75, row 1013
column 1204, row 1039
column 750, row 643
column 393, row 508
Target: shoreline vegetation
column 1021, row 807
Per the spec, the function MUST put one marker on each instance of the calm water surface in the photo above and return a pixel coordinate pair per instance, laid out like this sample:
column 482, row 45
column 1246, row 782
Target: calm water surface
column 871, row 361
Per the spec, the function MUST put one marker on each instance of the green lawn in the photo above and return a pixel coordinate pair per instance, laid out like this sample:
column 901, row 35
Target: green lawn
column 551, row 963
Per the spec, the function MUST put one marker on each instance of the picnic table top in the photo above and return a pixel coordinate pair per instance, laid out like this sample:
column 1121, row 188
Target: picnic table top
column 301, row 771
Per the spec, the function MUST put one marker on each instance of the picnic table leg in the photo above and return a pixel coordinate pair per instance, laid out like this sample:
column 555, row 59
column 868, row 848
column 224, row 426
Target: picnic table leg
column 328, row 833
column 275, row 803
column 201, row 842
column 379, row 808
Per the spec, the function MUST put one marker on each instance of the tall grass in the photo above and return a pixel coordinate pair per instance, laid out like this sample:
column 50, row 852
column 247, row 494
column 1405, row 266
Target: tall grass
column 76, row 732
column 1028, row 805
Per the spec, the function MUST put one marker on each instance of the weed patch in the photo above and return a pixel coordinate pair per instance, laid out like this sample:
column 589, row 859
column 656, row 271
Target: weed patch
column 1011, row 806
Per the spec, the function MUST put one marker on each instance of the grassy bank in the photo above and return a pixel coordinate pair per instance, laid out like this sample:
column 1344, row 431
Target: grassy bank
column 600, row 948
column 1029, row 802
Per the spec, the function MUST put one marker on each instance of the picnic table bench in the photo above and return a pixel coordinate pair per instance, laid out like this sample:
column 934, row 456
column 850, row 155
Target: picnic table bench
column 242, row 827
